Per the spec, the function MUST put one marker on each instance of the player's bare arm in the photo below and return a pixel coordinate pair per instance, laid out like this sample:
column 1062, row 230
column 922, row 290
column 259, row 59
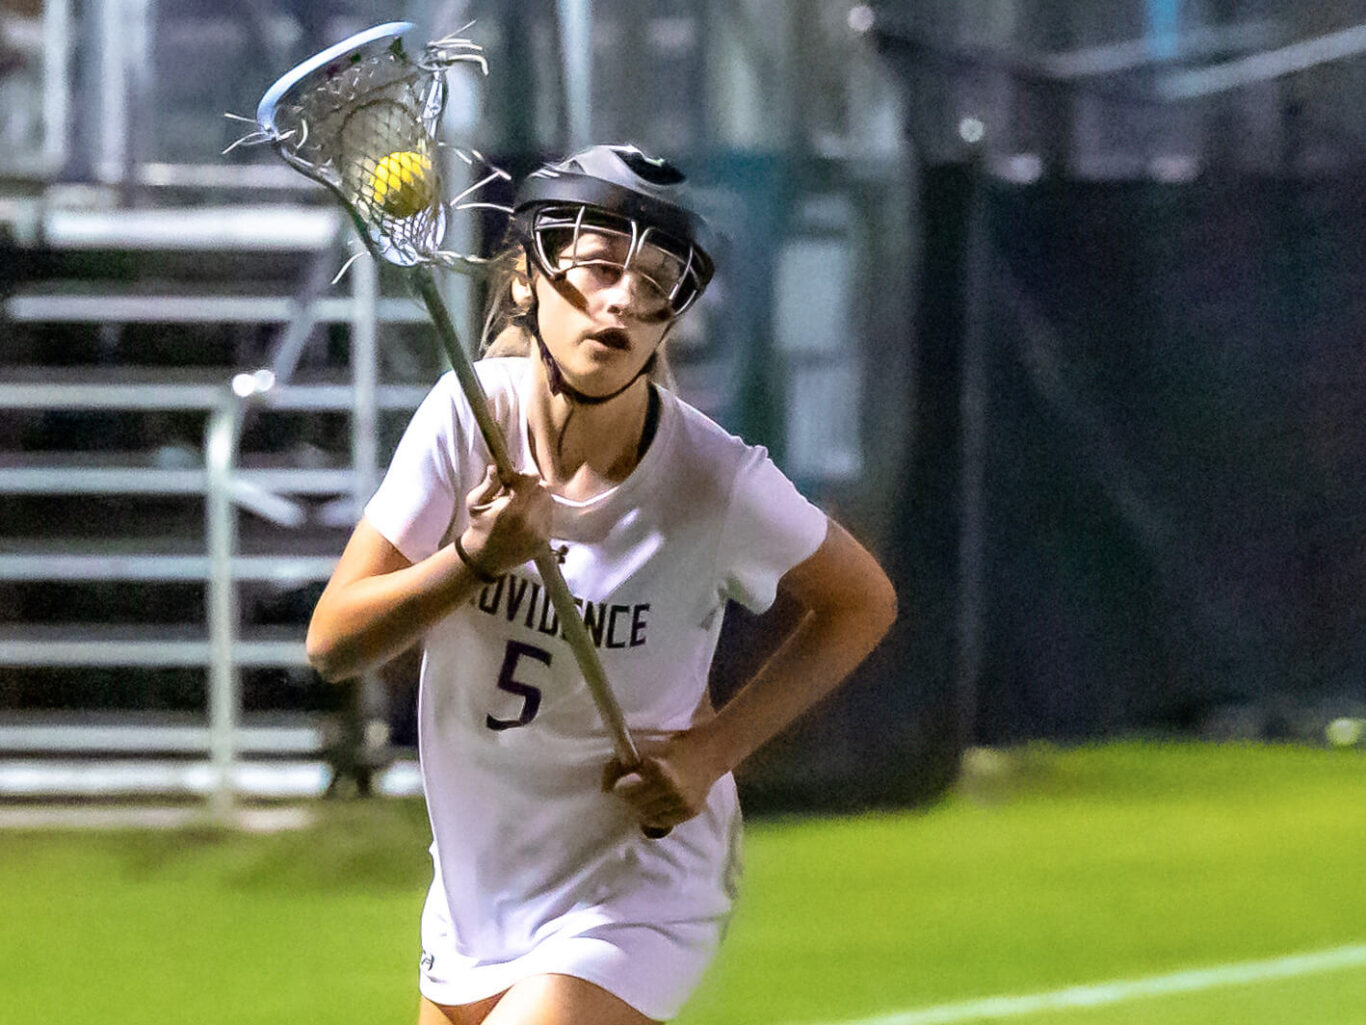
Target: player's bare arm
column 850, row 605
column 377, row 603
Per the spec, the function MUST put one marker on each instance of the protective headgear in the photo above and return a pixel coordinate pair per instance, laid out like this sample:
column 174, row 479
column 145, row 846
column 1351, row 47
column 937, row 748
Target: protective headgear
column 636, row 200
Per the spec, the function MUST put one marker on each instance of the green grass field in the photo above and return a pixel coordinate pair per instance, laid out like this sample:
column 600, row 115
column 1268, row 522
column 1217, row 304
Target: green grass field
column 1045, row 869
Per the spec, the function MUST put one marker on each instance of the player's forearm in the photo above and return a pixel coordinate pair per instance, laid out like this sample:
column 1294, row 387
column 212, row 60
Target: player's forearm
column 814, row 659
column 364, row 623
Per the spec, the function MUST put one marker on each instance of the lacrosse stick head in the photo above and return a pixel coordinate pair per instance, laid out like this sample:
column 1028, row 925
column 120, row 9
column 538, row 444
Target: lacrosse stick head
column 362, row 117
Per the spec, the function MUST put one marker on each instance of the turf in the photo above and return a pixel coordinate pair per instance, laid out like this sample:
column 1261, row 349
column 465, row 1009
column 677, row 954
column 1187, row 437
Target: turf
column 1044, row 868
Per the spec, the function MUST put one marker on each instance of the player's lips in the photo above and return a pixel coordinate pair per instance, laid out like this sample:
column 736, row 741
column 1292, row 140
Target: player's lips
column 612, row 338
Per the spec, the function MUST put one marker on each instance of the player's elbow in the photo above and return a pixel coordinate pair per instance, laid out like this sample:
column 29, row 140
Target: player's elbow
column 325, row 655
column 863, row 612
column 320, row 658
column 880, row 604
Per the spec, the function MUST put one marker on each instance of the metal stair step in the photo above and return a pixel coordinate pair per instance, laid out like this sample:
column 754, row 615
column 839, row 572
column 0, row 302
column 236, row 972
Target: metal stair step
column 152, row 734
column 156, row 388
column 53, row 307
column 150, row 567
column 179, row 457
column 281, row 227
column 30, row 779
column 161, row 647
column 137, row 480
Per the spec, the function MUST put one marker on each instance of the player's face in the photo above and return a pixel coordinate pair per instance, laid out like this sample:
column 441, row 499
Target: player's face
column 603, row 317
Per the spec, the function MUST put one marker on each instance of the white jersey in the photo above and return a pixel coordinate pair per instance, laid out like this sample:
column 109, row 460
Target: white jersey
column 529, row 847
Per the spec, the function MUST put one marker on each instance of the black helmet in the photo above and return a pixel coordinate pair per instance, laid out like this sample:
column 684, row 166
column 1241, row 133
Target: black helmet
column 622, row 191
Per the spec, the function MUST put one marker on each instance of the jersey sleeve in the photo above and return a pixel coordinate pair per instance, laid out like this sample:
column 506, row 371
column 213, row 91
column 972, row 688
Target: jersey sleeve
column 769, row 528
column 416, row 501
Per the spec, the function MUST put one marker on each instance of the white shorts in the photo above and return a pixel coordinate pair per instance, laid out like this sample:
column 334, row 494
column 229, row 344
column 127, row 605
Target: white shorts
column 653, row 967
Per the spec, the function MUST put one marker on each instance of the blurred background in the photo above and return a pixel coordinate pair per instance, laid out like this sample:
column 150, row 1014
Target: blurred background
column 1055, row 304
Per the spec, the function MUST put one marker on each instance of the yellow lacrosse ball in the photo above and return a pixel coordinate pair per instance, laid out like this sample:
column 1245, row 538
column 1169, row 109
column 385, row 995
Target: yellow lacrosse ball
column 402, row 183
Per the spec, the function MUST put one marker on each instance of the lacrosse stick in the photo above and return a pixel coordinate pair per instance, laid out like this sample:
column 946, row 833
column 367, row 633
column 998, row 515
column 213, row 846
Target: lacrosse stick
column 362, row 118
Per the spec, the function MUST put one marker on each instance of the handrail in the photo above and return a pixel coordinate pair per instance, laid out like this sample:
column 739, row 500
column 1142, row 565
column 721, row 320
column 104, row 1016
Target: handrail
column 222, row 438
column 1265, row 66
column 225, row 492
column 220, row 458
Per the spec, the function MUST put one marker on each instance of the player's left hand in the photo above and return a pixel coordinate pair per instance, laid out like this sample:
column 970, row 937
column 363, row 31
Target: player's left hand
column 669, row 786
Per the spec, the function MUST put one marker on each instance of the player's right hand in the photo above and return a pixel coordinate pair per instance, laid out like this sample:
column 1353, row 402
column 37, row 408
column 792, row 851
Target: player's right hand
column 509, row 522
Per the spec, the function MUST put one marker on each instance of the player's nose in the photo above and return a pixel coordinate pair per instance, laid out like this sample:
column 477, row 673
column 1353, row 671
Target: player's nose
column 631, row 292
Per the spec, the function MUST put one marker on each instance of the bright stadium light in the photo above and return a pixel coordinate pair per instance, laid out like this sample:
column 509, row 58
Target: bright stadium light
column 244, row 385
column 861, row 19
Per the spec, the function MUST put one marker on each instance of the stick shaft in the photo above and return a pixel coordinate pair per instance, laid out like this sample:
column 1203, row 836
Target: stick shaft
column 561, row 599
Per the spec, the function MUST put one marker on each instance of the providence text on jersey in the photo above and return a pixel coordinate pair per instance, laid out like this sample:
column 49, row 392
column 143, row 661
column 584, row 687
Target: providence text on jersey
column 610, row 625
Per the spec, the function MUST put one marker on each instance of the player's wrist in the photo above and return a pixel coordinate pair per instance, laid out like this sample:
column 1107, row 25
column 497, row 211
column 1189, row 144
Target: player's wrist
column 472, row 555
column 713, row 748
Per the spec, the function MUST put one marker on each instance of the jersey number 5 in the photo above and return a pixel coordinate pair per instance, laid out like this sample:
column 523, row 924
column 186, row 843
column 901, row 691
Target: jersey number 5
column 531, row 696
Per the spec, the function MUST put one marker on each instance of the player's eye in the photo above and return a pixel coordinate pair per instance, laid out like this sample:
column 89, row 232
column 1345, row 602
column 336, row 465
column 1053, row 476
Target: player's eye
column 595, row 247
column 599, row 272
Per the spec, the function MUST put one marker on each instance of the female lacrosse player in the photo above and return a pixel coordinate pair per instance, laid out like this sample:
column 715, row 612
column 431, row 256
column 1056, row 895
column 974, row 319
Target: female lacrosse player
column 548, row 906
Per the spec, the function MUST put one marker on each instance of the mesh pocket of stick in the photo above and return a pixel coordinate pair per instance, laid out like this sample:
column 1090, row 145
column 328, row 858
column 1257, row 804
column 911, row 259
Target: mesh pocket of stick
column 362, row 118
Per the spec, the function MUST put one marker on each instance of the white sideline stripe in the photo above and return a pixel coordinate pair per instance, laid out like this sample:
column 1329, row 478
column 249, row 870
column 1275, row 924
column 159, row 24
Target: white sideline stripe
column 1120, row 990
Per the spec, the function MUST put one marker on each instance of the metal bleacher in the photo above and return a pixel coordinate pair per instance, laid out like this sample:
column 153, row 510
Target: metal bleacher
column 292, row 506
column 191, row 413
